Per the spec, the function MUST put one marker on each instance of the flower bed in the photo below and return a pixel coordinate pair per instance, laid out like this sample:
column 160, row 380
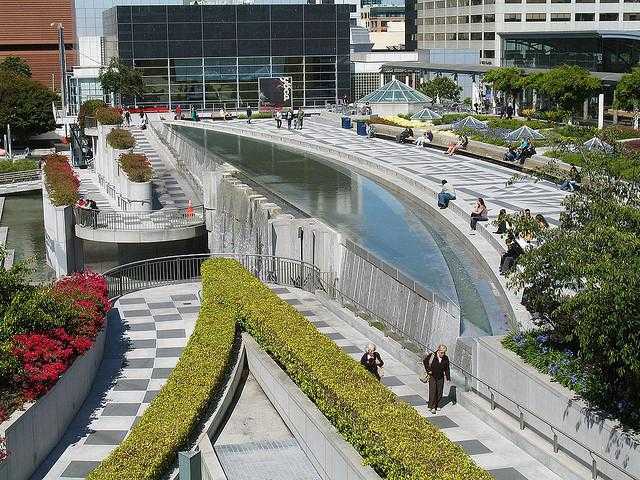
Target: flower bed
column 136, row 166
column 389, row 434
column 540, row 350
column 108, row 116
column 120, row 139
column 60, row 180
column 166, row 426
column 43, row 329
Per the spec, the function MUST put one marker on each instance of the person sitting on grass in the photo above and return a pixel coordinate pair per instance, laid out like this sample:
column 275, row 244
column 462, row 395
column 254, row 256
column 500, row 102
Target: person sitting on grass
column 571, row 183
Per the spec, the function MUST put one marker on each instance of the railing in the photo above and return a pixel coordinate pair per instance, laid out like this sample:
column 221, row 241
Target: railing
column 167, row 218
column 19, row 177
column 186, row 268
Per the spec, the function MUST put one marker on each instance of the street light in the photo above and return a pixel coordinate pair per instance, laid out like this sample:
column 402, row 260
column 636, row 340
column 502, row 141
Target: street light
column 63, row 66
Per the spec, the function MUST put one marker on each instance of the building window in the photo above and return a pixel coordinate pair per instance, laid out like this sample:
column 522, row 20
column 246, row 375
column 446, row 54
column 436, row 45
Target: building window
column 452, row 20
column 512, row 17
column 585, row 1
column 428, row 21
column 463, row 19
column 476, row 2
column 560, row 1
column 536, row 1
column 585, row 17
column 463, row 36
column 476, row 18
column 439, row 20
column 429, row 5
column 560, row 17
column 536, row 17
column 489, row 35
column 609, row 1
column 489, row 19
column 476, row 35
column 440, row 4
column 488, row 54
column 452, row 3
column 631, row 17
column 608, row 17
column 440, row 37
column 512, row 1
column 451, row 36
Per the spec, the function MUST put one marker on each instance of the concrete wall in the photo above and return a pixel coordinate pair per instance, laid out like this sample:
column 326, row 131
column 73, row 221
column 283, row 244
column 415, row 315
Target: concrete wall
column 32, row 433
column 63, row 249
column 329, row 453
column 556, row 404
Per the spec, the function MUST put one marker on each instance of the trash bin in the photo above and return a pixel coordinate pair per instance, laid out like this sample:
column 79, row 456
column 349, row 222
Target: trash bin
column 346, row 122
column 361, row 127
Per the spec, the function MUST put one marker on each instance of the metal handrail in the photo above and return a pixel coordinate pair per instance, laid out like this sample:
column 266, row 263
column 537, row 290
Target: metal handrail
column 18, row 177
column 143, row 274
column 167, row 218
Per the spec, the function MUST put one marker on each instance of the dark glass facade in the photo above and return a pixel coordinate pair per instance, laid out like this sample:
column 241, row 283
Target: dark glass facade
column 210, row 55
column 592, row 51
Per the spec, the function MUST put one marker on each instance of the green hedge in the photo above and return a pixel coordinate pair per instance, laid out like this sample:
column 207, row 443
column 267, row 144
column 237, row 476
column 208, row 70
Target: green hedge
column 391, row 436
column 121, row 139
column 7, row 166
column 167, row 425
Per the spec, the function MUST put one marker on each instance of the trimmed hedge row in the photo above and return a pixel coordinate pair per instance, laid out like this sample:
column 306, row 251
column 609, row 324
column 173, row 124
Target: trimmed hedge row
column 166, row 426
column 108, row 116
column 121, row 139
column 136, row 166
column 390, row 435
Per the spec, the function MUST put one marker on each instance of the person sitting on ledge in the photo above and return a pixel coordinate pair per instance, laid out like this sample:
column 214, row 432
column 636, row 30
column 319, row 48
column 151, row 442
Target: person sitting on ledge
column 462, row 143
column 426, row 137
column 502, row 222
column 404, row 135
column 479, row 214
column 571, row 183
column 447, row 194
column 510, row 257
column 511, row 154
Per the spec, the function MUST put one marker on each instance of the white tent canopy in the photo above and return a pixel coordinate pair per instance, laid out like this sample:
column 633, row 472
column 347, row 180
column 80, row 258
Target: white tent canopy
column 524, row 132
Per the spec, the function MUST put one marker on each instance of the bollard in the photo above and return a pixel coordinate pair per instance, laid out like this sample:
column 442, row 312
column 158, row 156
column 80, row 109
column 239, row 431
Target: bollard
column 190, row 465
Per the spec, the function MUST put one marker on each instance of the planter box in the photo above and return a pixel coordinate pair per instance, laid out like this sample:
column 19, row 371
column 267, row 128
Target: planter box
column 63, row 250
column 32, row 433
column 139, row 194
column 557, row 405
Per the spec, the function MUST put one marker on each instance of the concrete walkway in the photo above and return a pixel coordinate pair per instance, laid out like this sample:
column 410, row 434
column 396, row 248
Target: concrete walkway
column 489, row 449
column 147, row 332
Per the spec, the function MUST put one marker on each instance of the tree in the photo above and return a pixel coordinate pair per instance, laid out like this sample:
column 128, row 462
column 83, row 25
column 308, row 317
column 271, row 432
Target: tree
column 508, row 80
column 628, row 94
column 26, row 105
column 440, row 88
column 120, row 79
column 583, row 279
column 568, row 86
column 15, row 65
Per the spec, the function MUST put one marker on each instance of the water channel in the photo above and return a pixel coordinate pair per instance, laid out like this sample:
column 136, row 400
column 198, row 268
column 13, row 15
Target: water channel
column 387, row 223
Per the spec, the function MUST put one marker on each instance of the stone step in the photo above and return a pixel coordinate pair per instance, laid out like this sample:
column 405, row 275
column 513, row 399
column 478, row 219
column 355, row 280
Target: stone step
column 528, row 440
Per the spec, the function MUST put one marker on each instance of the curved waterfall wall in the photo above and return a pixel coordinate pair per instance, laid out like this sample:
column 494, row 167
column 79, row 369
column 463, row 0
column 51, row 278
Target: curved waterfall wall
column 241, row 220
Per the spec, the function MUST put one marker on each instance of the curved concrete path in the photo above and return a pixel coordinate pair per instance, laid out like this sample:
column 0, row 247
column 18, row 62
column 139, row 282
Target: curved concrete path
column 147, row 332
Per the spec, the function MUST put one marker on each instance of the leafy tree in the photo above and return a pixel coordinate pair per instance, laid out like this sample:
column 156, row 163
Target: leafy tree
column 583, row 279
column 628, row 94
column 508, row 80
column 121, row 79
column 15, row 65
column 26, row 105
column 568, row 86
column 440, row 88
column 88, row 109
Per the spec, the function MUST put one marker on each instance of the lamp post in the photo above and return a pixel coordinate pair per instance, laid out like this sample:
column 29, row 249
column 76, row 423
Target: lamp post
column 63, row 66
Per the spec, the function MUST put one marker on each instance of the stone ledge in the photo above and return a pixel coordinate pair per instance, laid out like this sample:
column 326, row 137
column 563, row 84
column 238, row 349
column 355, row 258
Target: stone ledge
column 139, row 236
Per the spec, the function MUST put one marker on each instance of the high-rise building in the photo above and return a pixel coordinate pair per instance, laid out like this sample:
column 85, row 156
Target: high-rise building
column 26, row 31
column 600, row 35
column 213, row 55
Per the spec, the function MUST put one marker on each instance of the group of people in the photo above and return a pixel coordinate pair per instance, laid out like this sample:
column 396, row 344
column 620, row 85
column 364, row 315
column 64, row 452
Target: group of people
column 90, row 205
column 436, row 365
column 506, row 111
column 517, row 242
column 521, row 152
column 126, row 118
column 297, row 119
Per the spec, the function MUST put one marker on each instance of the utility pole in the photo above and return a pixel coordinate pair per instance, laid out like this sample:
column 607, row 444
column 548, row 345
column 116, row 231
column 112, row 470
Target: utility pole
column 63, row 66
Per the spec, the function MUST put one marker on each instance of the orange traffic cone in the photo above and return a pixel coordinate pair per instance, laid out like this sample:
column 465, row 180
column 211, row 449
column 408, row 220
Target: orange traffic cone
column 189, row 210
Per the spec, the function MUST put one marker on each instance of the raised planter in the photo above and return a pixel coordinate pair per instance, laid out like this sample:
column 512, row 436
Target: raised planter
column 33, row 432
column 329, row 453
column 557, row 405
column 138, row 194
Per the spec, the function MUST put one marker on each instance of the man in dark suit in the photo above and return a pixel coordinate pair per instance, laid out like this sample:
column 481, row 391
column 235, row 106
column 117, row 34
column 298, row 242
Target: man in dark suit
column 436, row 365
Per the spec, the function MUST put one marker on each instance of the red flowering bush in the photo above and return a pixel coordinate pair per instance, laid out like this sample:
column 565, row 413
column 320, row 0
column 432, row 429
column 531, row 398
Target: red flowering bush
column 136, row 166
column 60, row 180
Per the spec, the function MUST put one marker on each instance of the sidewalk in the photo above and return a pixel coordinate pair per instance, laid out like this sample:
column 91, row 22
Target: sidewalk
column 488, row 448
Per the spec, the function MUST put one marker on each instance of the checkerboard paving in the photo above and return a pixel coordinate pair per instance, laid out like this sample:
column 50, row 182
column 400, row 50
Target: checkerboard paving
column 487, row 447
column 471, row 177
column 147, row 333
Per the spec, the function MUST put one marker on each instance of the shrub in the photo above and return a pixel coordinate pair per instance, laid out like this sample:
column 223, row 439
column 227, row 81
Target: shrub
column 88, row 109
column 136, row 166
column 256, row 115
column 120, row 139
column 60, row 180
column 166, row 426
column 108, row 116
column 391, row 436
column 614, row 133
column 8, row 166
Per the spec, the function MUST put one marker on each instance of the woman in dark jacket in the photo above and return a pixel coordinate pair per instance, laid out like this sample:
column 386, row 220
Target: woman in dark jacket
column 436, row 365
column 371, row 360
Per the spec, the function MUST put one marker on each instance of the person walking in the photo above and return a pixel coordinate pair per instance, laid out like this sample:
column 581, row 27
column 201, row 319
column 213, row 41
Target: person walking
column 478, row 214
column 249, row 113
column 436, row 364
column 178, row 112
column 289, row 115
column 372, row 361
column 278, row 119
column 300, row 118
column 127, row 118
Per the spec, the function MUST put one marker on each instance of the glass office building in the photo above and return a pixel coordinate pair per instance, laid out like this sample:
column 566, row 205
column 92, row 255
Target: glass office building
column 211, row 56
